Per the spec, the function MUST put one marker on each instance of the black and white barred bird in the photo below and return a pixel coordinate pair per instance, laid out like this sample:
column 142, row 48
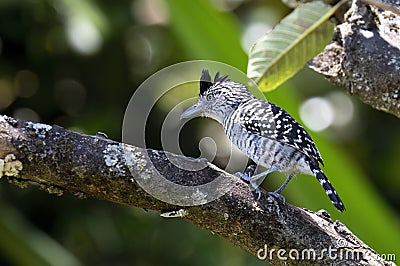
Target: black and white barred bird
column 263, row 131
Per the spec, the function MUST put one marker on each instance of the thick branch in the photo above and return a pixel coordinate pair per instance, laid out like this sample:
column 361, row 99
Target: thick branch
column 61, row 160
column 364, row 56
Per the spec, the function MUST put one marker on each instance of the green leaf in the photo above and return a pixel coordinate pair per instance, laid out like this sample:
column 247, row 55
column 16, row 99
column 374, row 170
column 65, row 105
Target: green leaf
column 282, row 52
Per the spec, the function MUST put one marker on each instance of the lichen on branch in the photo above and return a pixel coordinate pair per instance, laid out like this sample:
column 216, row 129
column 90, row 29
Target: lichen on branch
column 61, row 160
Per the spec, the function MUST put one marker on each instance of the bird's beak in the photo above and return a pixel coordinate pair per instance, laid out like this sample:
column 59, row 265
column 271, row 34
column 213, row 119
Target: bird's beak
column 192, row 111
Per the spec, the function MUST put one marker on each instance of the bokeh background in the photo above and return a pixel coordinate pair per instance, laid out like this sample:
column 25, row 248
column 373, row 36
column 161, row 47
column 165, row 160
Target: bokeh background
column 77, row 63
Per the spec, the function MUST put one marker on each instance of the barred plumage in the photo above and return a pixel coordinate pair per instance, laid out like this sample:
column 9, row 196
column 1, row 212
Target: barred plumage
column 262, row 130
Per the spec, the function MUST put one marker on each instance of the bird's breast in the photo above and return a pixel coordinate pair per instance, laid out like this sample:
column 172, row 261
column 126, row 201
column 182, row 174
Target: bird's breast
column 267, row 152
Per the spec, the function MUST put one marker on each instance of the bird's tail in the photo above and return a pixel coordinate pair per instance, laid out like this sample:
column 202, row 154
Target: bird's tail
column 329, row 189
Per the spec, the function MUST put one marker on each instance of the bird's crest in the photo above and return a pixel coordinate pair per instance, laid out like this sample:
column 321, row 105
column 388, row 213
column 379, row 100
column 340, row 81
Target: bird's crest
column 206, row 81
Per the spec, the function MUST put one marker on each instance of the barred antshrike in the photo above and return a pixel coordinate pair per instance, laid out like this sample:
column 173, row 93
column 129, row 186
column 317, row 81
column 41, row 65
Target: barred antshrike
column 263, row 131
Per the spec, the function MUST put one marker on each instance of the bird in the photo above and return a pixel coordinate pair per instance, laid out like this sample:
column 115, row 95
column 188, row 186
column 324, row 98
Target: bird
column 263, row 131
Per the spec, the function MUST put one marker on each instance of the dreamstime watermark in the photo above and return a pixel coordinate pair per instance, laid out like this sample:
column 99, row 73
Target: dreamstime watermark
column 339, row 253
column 388, row 256
column 174, row 82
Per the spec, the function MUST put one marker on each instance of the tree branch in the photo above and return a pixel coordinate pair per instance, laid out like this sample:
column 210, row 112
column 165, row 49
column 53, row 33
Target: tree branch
column 364, row 56
column 60, row 160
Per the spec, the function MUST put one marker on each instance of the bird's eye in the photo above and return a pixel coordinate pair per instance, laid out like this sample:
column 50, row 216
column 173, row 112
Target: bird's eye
column 210, row 97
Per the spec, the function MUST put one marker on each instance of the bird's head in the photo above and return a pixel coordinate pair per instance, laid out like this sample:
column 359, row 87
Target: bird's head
column 218, row 98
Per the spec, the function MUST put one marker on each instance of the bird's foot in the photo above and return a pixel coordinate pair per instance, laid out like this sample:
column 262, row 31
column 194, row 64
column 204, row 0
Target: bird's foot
column 277, row 194
column 258, row 192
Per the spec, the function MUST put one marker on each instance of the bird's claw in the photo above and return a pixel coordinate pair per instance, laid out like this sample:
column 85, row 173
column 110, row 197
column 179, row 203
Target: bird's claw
column 258, row 191
column 278, row 195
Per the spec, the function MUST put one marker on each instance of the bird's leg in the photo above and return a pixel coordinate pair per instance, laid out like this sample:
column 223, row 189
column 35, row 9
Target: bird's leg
column 256, row 180
column 278, row 192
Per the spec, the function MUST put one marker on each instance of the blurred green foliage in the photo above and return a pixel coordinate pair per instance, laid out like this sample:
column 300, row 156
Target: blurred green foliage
column 77, row 63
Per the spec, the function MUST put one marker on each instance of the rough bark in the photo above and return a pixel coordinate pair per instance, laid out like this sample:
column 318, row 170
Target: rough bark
column 364, row 57
column 61, row 160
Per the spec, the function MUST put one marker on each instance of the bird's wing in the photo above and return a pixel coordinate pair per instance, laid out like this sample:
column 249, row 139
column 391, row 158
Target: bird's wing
column 270, row 121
